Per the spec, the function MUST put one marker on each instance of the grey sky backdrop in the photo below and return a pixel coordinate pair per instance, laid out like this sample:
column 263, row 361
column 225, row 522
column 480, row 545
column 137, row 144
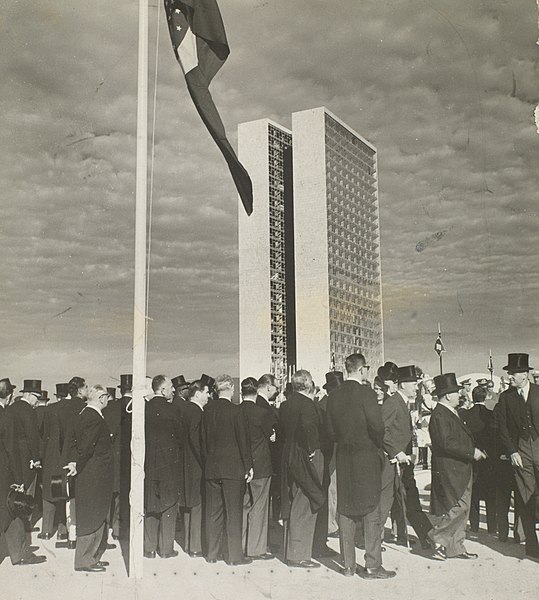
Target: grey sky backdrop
column 446, row 91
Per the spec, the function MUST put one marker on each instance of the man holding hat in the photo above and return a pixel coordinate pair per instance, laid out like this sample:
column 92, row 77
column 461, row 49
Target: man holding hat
column 518, row 427
column 453, row 453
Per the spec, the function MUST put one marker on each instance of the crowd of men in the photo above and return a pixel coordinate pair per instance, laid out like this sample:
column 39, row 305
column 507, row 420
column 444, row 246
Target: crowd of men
column 220, row 471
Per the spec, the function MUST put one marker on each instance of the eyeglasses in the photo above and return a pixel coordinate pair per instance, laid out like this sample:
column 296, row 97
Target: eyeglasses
column 367, row 367
column 101, row 396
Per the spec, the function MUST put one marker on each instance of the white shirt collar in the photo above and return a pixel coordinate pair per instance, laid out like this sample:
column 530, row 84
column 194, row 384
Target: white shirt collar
column 524, row 391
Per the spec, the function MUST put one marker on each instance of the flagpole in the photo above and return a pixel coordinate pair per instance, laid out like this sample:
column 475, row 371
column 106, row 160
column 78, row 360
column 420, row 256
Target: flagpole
column 136, row 497
column 441, row 353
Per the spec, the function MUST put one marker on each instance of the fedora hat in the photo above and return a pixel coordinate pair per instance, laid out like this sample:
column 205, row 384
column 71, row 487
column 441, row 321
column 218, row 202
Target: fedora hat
column 62, row 390
column 407, row 373
column 126, row 382
column 179, row 382
column 333, row 380
column 207, row 380
column 32, row 386
column 388, row 372
column 446, row 384
column 8, row 383
column 518, row 363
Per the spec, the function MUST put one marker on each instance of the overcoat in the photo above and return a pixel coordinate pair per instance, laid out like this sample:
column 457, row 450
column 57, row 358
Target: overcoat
column 162, row 463
column 10, row 471
column 51, row 454
column 511, row 416
column 397, row 426
column 191, row 456
column 260, row 424
column 68, row 411
column 354, row 422
column 113, row 417
column 25, row 439
column 93, row 492
column 452, row 457
column 300, row 435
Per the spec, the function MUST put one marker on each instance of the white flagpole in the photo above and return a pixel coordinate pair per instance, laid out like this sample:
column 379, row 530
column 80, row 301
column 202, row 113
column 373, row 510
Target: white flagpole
column 136, row 498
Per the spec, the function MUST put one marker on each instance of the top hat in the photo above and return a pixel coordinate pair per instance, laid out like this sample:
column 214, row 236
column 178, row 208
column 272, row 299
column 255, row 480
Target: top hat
column 19, row 504
column 407, row 373
column 179, row 382
column 446, row 384
column 61, row 486
column 388, row 372
column 62, row 390
column 111, row 392
column 333, row 380
column 483, row 381
column 8, row 383
column 207, row 380
column 32, row 386
column 126, row 382
column 518, row 363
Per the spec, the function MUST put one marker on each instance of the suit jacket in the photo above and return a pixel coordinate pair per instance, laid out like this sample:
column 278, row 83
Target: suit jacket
column 397, row 426
column 95, row 475
column 225, row 441
column 24, row 438
column 113, row 417
column 511, row 417
column 452, row 457
column 10, row 467
column 192, row 465
column 51, row 455
column 260, row 427
column 162, row 465
column 68, row 411
column 354, row 422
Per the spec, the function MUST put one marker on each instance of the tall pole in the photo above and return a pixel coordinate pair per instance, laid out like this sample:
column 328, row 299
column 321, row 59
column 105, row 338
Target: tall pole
column 136, row 498
column 440, row 354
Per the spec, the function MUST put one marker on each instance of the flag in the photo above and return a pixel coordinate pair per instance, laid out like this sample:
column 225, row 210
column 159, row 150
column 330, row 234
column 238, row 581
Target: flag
column 490, row 365
column 438, row 345
column 200, row 45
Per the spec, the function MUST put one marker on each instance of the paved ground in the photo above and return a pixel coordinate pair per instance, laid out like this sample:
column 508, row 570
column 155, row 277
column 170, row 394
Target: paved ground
column 501, row 572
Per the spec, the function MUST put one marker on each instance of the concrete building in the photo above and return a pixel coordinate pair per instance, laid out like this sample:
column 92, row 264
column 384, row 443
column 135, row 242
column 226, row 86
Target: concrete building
column 310, row 286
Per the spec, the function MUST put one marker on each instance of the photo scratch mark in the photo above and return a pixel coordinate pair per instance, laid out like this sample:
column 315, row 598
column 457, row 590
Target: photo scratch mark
column 63, row 312
column 435, row 237
column 461, row 310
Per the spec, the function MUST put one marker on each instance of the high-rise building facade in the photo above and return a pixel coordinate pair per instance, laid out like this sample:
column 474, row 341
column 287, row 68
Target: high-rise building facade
column 314, row 242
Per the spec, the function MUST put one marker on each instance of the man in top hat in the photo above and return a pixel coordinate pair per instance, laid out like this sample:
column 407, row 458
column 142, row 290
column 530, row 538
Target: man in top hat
column 398, row 470
column 518, row 427
column 453, row 453
column 181, row 386
column 354, row 421
column 112, row 414
column 388, row 373
column 13, row 539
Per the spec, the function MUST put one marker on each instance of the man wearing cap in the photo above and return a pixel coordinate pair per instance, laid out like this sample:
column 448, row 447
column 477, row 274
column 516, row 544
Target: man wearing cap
column 518, row 427
column 355, row 424
column 398, row 471
column 453, row 453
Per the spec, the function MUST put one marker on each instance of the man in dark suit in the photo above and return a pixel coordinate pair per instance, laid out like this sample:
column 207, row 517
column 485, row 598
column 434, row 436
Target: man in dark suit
column 260, row 427
column 267, row 391
column 354, row 422
column 113, row 417
column 12, row 534
column 192, row 467
column 126, row 400
column 93, row 464
column 398, row 467
column 518, row 428
column 302, row 465
column 228, row 467
column 162, row 470
column 453, row 453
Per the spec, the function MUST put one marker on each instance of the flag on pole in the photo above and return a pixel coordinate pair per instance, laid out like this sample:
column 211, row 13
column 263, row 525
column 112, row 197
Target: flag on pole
column 200, row 45
column 490, row 365
column 439, row 345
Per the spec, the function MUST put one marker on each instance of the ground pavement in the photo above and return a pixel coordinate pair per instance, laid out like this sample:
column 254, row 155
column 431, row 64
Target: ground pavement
column 501, row 572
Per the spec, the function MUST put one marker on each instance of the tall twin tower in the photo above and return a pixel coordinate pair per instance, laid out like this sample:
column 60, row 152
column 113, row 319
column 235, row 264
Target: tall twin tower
column 309, row 255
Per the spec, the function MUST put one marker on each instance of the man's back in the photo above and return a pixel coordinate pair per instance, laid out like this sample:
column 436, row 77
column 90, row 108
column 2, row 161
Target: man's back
column 260, row 427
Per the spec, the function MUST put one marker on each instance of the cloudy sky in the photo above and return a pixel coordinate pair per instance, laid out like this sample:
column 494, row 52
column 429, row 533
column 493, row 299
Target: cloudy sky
column 446, row 91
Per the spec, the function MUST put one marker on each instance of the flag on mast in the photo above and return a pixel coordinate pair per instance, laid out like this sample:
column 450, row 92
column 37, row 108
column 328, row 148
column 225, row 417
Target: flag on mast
column 200, row 45
column 439, row 345
column 490, row 365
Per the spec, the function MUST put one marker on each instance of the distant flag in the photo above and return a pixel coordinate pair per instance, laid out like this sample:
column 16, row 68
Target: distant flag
column 439, row 345
column 490, row 365
column 200, row 45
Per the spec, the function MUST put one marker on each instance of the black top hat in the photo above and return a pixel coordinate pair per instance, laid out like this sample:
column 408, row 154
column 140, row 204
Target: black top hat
column 207, row 380
column 62, row 390
column 32, row 385
column 333, row 380
column 8, row 383
column 518, row 363
column 483, row 381
column 111, row 392
column 19, row 504
column 389, row 371
column 179, row 382
column 61, row 486
column 446, row 384
column 407, row 373
column 126, row 382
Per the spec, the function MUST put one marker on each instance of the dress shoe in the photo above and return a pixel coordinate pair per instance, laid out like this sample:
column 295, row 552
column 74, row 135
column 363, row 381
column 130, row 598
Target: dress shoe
column 265, row 556
column 378, row 573
column 91, row 569
column 303, row 564
column 325, row 552
column 196, row 554
column 102, row 563
column 44, row 536
column 32, row 559
column 71, row 544
column 61, row 536
column 212, row 561
column 439, row 553
column 465, row 555
column 237, row 563
column 151, row 554
column 169, row 554
column 348, row 571
column 532, row 552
